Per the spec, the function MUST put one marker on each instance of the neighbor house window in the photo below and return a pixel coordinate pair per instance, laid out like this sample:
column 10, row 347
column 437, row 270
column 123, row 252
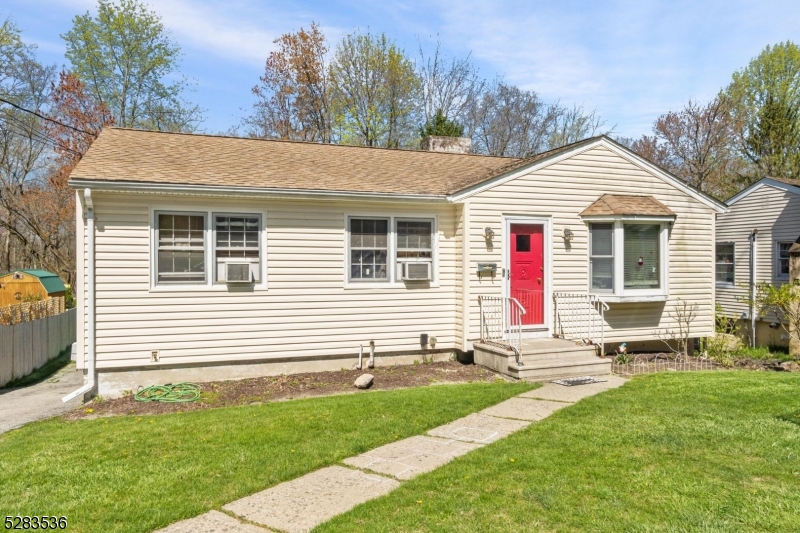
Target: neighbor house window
column 782, row 260
column 181, row 245
column 724, row 258
column 236, row 242
column 627, row 259
column 642, row 268
column 369, row 249
column 601, row 257
column 381, row 250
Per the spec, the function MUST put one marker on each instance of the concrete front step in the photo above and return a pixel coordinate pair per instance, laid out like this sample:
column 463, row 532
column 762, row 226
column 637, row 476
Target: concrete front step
column 545, row 371
column 544, row 359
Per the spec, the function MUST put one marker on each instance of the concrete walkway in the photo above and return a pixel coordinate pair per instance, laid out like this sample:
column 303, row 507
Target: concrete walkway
column 43, row 400
column 300, row 505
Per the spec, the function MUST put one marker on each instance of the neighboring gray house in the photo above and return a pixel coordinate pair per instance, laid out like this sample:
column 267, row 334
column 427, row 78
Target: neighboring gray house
column 752, row 245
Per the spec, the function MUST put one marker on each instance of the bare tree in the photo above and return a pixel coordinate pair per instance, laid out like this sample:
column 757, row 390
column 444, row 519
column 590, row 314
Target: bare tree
column 575, row 124
column 449, row 85
column 696, row 144
column 508, row 121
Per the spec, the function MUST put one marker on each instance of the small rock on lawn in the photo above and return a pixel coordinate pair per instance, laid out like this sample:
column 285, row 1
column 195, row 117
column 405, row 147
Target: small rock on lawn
column 364, row 381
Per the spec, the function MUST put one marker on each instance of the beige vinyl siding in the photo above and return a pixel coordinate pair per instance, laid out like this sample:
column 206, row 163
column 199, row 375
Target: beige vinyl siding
column 305, row 310
column 776, row 215
column 564, row 189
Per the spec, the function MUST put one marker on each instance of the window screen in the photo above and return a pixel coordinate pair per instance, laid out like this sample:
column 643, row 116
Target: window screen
column 369, row 245
column 601, row 257
column 782, row 260
column 642, row 261
column 724, row 258
column 181, row 248
column 414, row 239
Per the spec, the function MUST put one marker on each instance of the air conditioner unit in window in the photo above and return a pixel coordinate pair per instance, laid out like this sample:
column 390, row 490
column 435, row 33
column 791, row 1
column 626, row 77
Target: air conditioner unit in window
column 416, row 271
column 238, row 273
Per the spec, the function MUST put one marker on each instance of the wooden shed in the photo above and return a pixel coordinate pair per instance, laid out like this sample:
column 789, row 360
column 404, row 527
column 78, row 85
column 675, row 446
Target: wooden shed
column 29, row 285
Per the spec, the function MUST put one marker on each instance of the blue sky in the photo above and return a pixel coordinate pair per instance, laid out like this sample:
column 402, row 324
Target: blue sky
column 630, row 60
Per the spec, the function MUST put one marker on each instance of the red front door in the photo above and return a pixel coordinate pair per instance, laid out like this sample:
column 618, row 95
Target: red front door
column 527, row 270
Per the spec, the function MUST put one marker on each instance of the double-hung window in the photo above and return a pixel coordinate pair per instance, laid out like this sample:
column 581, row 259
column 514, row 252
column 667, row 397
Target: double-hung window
column 237, row 242
column 724, row 258
column 369, row 249
column 381, row 249
column 181, row 253
column 627, row 259
column 601, row 257
column 207, row 248
column 782, row 260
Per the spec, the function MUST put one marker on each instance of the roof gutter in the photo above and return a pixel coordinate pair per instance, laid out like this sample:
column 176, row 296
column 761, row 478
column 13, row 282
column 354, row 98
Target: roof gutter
column 259, row 192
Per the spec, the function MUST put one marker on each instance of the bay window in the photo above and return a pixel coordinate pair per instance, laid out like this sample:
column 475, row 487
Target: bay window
column 627, row 259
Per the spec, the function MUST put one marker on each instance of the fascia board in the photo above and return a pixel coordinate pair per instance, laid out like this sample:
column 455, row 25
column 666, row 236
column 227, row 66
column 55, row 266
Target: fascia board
column 761, row 183
column 120, row 186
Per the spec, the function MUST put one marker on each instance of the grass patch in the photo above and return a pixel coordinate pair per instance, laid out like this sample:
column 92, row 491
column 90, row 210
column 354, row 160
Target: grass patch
column 43, row 372
column 139, row 473
column 765, row 352
column 667, row 452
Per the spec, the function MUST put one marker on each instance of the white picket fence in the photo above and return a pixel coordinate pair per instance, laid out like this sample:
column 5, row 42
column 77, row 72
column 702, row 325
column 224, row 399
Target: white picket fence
column 27, row 346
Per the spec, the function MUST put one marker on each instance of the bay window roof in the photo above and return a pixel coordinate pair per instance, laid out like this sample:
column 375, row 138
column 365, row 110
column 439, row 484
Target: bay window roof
column 613, row 205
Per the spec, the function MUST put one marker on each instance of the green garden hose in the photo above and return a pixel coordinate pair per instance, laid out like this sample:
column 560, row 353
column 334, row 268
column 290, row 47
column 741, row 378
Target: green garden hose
column 180, row 392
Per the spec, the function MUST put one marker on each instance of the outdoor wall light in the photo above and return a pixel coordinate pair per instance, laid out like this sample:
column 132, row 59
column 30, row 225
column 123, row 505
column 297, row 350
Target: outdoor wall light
column 488, row 233
column 568, row 234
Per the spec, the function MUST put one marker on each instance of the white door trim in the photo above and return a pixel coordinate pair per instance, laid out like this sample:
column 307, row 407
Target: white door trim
column 546, row 222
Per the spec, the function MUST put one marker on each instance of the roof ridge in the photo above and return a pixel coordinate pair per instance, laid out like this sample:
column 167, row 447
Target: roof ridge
column 291, row 141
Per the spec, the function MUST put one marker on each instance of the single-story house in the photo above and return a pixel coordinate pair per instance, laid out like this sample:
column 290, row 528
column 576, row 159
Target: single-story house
column 207, row 257
column 753, row 241
column 27, row 285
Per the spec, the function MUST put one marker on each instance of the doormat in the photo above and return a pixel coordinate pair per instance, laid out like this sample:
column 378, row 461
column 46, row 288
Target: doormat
column 582, row 380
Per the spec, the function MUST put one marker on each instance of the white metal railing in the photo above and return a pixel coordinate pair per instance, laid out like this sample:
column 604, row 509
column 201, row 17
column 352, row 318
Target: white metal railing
column 501, row 323
column 580, row 317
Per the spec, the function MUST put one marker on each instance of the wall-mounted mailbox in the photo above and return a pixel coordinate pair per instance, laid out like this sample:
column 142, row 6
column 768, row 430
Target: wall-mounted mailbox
column 487, row 268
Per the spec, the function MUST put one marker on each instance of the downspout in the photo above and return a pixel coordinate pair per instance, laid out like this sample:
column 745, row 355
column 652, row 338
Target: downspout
column 753, row 263
column 90, row 301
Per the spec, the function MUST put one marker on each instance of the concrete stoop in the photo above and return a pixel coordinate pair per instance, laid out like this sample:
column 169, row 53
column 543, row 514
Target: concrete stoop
column 543, row 359
column 299, row 505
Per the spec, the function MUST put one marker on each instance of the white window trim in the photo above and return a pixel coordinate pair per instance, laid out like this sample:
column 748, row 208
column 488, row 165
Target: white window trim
column 620, row 294
column 156, row 247
column 391, row 261
column 776, row 260
column 209, row 285
column 725, row 284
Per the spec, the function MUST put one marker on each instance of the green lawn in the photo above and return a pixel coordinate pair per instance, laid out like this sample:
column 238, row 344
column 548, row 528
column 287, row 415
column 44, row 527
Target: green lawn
column 668, row 452
column 140, row 473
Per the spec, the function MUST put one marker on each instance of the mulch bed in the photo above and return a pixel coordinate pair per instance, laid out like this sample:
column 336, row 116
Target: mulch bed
column 269, row 389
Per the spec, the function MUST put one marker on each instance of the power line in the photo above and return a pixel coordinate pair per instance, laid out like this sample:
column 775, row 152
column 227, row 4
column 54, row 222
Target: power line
column 34, row 113
column 20, row 128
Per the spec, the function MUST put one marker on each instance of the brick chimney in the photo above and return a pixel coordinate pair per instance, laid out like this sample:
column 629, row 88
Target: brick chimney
column 453, row 145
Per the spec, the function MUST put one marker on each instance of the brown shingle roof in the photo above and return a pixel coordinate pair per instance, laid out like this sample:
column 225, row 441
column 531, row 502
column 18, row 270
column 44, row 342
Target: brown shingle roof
column 612, row 204
column 124, row 155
